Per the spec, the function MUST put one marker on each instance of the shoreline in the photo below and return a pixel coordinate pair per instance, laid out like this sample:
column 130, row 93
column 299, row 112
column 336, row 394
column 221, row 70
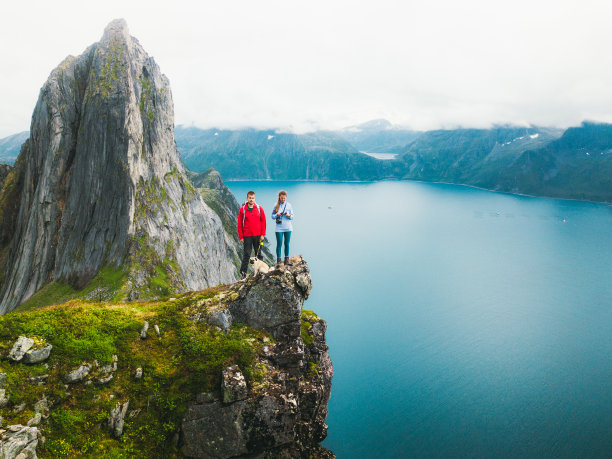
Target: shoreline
column 606, row 203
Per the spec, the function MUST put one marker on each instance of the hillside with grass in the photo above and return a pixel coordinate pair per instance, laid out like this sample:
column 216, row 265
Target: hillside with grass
column 242, row 365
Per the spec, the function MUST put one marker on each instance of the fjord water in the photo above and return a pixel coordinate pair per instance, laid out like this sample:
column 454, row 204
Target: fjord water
column 461, row 322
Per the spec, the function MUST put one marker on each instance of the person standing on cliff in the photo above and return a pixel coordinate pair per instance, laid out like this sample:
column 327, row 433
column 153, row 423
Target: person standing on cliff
column 251, row 230
column 282, row 212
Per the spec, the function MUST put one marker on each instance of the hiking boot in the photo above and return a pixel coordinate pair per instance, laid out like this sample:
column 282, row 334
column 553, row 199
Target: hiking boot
column 242, row 276
column 286, row 261
column 279, row 262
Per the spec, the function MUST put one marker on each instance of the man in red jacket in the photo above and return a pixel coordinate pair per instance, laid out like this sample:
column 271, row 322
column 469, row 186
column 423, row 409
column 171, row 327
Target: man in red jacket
column 251, row 230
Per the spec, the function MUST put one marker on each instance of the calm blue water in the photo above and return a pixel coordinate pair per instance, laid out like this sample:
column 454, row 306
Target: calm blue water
column 461, row 322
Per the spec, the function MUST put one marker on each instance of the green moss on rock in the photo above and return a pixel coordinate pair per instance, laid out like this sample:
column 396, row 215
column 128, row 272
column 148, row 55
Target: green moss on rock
column 108, row 284
column 186, row 359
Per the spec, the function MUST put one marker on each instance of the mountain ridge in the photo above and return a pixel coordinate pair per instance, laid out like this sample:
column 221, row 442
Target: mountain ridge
column 101, row 184
column 495, row 158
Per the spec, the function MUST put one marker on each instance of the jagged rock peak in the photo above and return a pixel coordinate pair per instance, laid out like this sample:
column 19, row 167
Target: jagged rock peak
column 116, row 29
column 103, row 186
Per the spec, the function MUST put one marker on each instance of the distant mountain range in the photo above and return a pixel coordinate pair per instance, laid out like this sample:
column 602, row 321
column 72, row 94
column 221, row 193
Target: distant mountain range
column 575, row 163
column 10, row 146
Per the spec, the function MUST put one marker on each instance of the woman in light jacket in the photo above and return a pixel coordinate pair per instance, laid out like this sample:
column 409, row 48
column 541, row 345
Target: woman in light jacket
column 282, row 213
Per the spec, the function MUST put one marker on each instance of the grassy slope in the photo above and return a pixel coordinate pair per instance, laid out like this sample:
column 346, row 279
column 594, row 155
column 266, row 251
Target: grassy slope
column 187, row 359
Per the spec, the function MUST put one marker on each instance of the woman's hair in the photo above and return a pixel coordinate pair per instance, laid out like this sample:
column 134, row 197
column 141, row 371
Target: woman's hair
column 280, row 193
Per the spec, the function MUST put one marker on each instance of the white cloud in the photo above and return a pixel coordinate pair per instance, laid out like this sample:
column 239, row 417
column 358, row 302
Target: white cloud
column 330, row 64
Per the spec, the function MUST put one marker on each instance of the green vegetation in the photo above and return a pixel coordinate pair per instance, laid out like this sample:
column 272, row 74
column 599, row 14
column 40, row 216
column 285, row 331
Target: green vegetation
column 305, row 331
column 162, row 276
column 186, row 360
column 146, row 98
column 108, row 284
column 149, row 195
column 111, row 67
column 308, row 318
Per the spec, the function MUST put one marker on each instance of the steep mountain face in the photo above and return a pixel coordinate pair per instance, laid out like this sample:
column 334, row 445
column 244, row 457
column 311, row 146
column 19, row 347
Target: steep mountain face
column 578, row 165
column 219, row 198
column 10, row 147
column 456, row 156
column 100, row 184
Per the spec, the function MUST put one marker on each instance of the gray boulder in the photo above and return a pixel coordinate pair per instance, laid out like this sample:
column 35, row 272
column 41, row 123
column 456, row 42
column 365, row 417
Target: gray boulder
column 78, row 375
column 42, row 406
column 233, row 385
column 273, row 301
column 219, row 318
column 21, row 346
column 116, row 418
column 37, row 355
column 143, row 332
column 19, row 442
column 214, row 430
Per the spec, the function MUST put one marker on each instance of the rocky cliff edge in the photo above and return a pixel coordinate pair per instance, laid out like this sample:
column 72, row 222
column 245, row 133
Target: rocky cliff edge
column 237, row 370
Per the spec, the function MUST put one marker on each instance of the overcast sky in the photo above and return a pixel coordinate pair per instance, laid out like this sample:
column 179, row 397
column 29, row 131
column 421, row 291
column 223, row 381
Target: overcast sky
column 328, row 64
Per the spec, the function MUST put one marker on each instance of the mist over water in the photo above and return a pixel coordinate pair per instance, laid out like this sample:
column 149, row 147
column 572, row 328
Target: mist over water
column 461, row 322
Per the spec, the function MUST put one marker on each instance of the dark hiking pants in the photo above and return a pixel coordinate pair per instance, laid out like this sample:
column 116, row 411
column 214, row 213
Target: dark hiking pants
column 250, row 243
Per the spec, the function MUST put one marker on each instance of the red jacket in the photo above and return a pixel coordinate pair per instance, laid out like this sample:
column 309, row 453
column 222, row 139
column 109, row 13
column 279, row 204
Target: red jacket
column 251, row 223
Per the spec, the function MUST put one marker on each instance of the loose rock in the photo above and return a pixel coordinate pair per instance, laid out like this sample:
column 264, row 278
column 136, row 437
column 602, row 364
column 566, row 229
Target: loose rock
column 37, row 355
column 78, row 375
column 4, row 398
column 104, row 380
column 21, row 346
column 220, row 318
column 157, row 332
column 138, row 374
column 41, row 406
column 19, row 442
column 116, row 419
column 233, row 386
column 143, row 332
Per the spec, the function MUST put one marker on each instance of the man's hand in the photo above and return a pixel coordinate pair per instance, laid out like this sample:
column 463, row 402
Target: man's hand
column 261, row 238
column 241, row 240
